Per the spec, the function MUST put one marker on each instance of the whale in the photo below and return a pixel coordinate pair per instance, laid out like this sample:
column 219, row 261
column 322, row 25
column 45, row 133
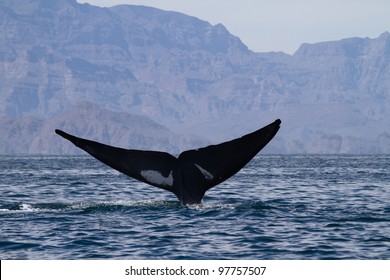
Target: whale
column 191, row 174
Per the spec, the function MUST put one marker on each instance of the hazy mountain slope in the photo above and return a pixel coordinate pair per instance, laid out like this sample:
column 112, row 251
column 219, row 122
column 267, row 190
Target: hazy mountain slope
column 31, row 135
column 185, row 74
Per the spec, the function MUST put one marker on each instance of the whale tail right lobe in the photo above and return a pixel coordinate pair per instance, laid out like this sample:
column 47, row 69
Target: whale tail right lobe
column 217, row 163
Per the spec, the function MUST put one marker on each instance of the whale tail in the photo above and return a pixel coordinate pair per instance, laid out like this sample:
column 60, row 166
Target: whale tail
column 191, row 174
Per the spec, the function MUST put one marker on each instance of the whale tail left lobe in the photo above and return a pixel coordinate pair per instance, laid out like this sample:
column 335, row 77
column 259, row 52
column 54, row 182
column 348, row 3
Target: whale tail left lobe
column 137, row 164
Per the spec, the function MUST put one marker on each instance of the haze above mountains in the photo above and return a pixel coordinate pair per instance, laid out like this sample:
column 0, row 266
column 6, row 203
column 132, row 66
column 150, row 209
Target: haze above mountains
column 143, row 78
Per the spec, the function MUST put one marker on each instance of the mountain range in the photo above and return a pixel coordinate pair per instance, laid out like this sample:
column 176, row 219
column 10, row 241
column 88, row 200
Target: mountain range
column 144, row 78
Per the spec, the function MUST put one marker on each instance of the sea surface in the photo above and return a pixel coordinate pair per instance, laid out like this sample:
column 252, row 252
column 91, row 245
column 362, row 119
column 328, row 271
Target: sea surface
column 277, row 207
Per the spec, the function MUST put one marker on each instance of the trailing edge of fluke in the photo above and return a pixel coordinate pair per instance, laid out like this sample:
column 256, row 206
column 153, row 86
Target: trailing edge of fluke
column 191, row 174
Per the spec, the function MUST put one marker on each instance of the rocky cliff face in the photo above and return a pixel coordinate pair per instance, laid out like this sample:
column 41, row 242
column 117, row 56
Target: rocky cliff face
column 153, row 79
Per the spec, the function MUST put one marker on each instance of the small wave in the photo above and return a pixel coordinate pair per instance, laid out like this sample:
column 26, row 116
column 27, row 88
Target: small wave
column 208, row 207
column 105, row 206
column 10, row 245
column 238, row 205
column 27, row 207
column 39, row 207
column 123, row 205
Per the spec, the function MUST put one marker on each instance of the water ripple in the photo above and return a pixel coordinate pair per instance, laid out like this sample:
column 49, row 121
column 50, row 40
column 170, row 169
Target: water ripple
column 278, row 207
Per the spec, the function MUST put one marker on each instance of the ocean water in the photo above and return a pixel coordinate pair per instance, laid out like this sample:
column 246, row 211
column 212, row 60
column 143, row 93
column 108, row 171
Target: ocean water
column 277, row 207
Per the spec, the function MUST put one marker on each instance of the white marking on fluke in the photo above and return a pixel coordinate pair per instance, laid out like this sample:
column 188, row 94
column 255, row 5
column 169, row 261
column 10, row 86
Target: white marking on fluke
column 205, row 173
column 156, row 177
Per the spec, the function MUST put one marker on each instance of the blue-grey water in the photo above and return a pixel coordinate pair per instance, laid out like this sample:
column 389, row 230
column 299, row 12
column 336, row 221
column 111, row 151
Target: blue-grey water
column 277, row 207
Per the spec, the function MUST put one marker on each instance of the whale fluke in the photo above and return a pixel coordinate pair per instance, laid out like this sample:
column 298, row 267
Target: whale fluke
column 191, row 174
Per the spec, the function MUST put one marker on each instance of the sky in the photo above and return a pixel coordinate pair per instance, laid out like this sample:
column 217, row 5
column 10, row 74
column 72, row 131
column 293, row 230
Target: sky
column 281, row 25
